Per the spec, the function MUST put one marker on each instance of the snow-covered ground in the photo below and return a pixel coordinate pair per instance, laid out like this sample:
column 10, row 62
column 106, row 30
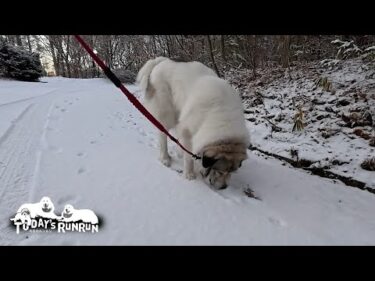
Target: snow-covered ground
column 334, row 119
column 81, row 142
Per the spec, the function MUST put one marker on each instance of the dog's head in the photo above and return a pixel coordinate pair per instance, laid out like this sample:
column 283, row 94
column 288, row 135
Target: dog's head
column 220, row 160
column 25, row 212
column 47, row 205
column 68, row 211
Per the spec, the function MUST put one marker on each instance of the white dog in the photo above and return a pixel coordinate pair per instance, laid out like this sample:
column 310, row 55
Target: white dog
column 44, row 209
column 206, row 112
column 72, row 215
column 23, row 216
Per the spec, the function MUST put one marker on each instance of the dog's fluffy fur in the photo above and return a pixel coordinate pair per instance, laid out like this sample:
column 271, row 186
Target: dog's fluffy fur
column 205, row 110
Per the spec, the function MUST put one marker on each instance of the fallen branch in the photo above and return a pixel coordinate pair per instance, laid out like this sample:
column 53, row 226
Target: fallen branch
column 274, row 126
column 305, row 165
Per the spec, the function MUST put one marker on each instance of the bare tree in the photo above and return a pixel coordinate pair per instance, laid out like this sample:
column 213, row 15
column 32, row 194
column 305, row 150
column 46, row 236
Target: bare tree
column 29, row 42
column 18, row 40
column 285, row 50
column 212, row 55
column 222, row 45
column 132, row 51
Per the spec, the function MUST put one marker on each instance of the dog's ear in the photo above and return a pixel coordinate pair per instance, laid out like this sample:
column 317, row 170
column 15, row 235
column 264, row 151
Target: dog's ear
column 208, row 161
column 25, row 211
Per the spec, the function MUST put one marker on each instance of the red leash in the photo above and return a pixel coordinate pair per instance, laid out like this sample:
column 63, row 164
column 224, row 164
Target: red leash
column 130, row 96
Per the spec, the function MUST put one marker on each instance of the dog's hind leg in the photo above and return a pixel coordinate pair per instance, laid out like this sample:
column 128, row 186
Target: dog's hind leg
column 165, row 158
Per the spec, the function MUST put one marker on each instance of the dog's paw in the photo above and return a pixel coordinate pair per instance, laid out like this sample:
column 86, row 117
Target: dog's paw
column 190, row 175
column 166, row 161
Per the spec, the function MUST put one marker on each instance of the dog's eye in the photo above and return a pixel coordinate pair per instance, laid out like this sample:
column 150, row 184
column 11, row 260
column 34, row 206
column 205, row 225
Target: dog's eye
column 208, row 161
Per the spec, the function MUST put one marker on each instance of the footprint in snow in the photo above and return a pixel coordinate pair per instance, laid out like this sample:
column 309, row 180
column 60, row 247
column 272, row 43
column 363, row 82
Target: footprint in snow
column 81, row 170
column 277, row 221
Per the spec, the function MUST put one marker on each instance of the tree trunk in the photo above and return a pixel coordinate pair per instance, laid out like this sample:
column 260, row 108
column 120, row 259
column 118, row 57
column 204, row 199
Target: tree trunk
column 168, row 45
column 66, row 57
column 60, row 58
column 60, row 54
column 54, row 56
column 18, row 40
column 29, row 43
column 285, row 48
column 212, row 56
column 222, row 48
column 254, row 54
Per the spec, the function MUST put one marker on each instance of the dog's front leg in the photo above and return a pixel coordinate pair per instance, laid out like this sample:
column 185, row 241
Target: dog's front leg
column 188, row 160
column 189, row 167
column 164, row 157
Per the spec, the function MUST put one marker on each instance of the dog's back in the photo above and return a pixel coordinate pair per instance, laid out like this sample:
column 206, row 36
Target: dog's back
column 166, row 85
column 170, row 79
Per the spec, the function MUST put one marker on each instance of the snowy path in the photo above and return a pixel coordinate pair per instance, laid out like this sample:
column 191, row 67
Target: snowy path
column 81, row 142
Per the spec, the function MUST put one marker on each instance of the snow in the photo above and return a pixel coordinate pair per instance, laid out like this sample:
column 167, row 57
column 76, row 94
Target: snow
column 81, row 142
column 322, row 115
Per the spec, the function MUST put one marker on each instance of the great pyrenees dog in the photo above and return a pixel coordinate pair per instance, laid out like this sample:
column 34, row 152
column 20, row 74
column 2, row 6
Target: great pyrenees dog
column 23, row 216
column 44, row 209
column 70, row 214
column 206, row 112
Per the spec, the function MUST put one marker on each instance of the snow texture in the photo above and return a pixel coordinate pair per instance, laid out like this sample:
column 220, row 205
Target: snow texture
column 80, row 142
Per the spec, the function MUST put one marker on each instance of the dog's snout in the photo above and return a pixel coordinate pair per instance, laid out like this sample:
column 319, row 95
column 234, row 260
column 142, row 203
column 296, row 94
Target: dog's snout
column 223, row 186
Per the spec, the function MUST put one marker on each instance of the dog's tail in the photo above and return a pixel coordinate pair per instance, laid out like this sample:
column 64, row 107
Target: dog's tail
column 143, row 77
